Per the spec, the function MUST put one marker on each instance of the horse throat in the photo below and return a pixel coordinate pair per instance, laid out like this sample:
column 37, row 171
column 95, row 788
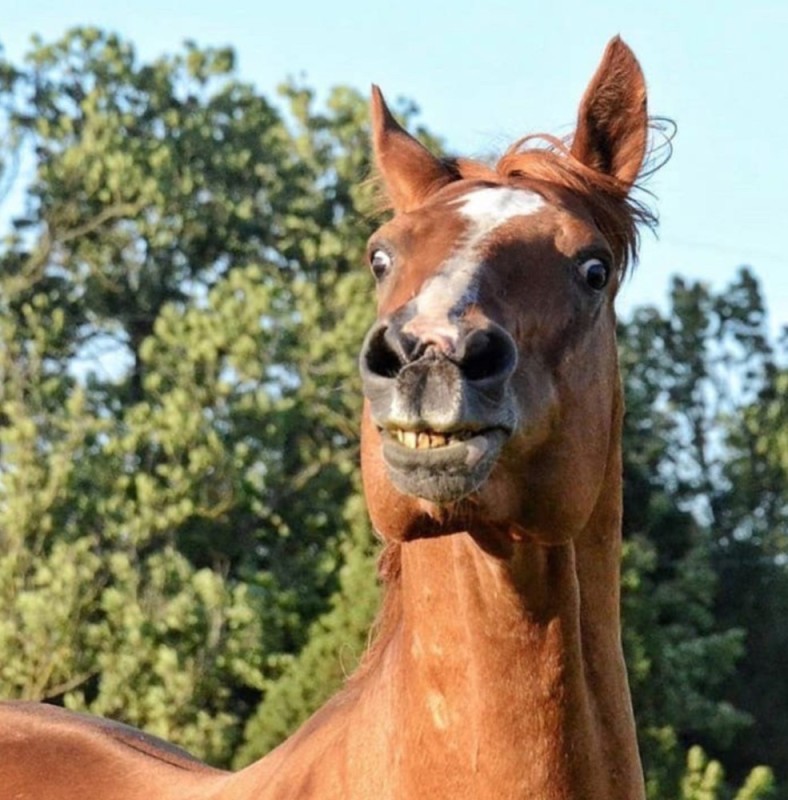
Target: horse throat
column 490, row 684
column 488, row 671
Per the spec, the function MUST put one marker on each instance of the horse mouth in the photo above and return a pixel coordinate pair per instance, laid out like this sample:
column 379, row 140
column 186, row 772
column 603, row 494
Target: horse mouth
column 430, row 440
column 441, row 466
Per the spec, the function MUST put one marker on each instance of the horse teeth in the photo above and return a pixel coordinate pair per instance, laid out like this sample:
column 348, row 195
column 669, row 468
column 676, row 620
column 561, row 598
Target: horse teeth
column 427, row 440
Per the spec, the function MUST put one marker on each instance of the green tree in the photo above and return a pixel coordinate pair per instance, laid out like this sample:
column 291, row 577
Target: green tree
column 704, row 779
column 334, row 646
column 693, row 376
column 184, row 302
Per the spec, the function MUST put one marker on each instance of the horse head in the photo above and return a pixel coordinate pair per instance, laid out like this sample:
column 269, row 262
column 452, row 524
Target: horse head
column 490, row 374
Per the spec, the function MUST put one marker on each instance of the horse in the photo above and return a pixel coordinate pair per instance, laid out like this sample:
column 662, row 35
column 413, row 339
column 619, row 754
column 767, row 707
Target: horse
column 491, row 464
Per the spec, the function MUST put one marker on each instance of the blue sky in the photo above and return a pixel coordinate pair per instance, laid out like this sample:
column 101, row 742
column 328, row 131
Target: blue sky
column 487, row 73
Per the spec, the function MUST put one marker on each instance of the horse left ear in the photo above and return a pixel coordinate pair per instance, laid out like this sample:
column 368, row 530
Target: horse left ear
column 612, row 124
column 410, row 172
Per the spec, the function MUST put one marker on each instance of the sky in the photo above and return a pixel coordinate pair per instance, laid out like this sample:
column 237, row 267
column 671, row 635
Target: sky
column 485, row 74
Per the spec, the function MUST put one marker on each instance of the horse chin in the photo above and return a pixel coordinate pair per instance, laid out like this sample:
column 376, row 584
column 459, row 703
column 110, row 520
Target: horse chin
column 444, row 475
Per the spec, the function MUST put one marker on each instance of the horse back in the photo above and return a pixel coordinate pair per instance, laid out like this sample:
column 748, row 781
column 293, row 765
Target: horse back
column 47, row 753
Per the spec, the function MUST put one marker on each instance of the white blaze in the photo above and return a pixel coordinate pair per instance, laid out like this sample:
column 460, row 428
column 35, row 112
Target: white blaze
column 444, row 296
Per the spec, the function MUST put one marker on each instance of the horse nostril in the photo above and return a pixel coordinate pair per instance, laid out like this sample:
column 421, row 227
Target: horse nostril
column 488, row 354
column 383, row 355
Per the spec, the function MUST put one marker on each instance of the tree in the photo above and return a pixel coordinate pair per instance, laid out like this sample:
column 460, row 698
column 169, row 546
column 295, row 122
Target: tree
column 692, row 376
column 204, row 247
column 705, row 780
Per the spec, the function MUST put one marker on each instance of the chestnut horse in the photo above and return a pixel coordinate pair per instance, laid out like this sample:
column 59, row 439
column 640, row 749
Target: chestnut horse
column 491, row 457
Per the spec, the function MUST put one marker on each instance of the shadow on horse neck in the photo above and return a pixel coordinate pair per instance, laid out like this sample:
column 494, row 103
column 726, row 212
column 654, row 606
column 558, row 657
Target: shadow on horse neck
column 491, row 459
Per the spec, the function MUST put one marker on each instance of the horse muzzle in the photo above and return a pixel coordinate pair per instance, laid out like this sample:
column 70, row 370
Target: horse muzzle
column 443, row 413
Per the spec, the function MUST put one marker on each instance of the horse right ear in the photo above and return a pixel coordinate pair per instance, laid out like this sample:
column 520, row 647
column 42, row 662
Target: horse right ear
column 409, row 171
column 612, row 124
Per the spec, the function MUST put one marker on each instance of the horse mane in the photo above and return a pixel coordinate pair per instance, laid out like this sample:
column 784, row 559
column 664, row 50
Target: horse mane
column 388, row 617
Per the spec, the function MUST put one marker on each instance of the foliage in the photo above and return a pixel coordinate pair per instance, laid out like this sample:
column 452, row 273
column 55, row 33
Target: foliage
column 703, row 779
column 181, row 303
column 333, row 649
column 699, row 487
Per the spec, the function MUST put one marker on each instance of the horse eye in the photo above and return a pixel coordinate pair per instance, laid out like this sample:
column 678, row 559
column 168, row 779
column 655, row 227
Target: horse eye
column 595, row 273
column 380, row 263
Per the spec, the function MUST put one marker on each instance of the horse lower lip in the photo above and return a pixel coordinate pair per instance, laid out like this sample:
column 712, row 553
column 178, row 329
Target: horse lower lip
column 443, row 474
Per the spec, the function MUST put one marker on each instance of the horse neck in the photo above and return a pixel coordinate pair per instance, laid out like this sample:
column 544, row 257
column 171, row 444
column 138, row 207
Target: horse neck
column 504, row 676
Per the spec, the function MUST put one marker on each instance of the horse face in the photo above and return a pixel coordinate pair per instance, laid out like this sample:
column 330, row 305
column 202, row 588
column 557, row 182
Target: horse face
column 495, row 312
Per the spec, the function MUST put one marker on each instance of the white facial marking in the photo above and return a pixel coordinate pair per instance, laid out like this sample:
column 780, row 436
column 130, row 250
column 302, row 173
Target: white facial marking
column 490, row 207
column 445, row 295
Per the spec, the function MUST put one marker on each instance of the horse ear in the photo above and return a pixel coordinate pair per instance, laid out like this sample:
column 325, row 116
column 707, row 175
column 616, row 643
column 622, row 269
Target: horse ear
column 410, row 172
column 612, row 124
